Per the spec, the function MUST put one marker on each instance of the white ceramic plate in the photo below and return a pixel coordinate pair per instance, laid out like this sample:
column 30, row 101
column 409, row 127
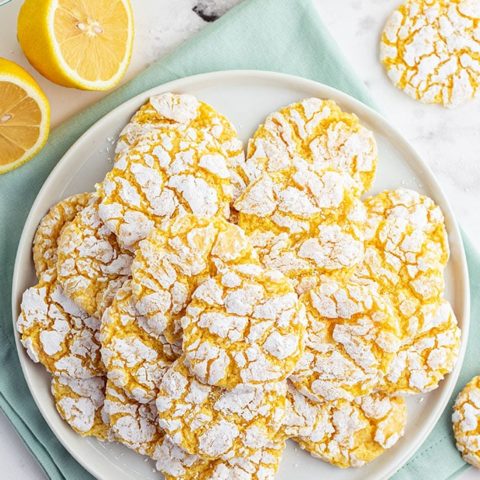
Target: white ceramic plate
column 246, row 97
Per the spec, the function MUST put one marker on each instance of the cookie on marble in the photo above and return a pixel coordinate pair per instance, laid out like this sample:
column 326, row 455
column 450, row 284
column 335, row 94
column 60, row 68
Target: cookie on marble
column 49, row 228
column 243, row 325
column 131, row 423
column 176, row 464
column 352, row 337
column 304, row 222
column 346, row 433
column 430, row 50
column 316, row 132
column 173, row 111
column 91, row 266
column 215, row 423
column 80, row 402
column 56, row 332
column 171, row 262
column 134, row 356
column 466, row 422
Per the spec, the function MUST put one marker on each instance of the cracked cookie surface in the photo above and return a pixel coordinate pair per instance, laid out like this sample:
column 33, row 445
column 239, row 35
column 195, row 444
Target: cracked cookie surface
column 170, row 263
column 56, row 332
column 346, row 433
column 134, row 355
column 244, row 325
column 215, row 423
column 50, row 227
column 80, row 402
column 171, row 111
column 132, row 424
column 91, row 266
column 466, row 422
column 431, row 50
column 352, row 336
column 302, row 231
column 176, row 464
column 316, row 132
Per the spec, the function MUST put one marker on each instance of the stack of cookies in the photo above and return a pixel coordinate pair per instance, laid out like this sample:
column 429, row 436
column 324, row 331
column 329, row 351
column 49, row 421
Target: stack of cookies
column 202, row 308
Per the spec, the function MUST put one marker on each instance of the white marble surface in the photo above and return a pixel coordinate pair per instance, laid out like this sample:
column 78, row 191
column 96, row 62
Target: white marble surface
column 448, row 139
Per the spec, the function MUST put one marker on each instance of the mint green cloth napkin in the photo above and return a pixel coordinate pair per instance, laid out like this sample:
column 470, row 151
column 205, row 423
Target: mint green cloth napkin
column 279, row 35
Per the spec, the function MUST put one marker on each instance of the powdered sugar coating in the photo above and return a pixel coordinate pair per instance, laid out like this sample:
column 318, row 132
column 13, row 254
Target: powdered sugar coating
column 49, row 228
column 132, row 424
column 57, row 333
column 172, row 262
column 423, row 362
column 346, row 433
column 352, row 336
column 244, row 325
column 316, row 132
column 176, row 464
column 134, row 357
column 91, row 266
column 303, row 222
column 181, row 112
column 215, row 423
column 466, row 422
column 79, row 402
column 430, row 50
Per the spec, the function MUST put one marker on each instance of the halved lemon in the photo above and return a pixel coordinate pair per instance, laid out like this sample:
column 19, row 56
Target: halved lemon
column 24, row 116
column 85, row 44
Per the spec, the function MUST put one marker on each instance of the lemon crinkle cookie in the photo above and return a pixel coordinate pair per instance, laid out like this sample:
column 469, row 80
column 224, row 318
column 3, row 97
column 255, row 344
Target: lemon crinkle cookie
column 423, row 362
column 132, row 424
column 91, row 266
column 80, row 403
column 345, row 433
column 171, row 111
column 300, row 233
column 215, row 423
column 134, row 356
column 244, row 325
column 318, row 133
column 351, row 340
column 58, row 333
column 430, row 50
column 50, row 227
column 466, row 422
column 176, row 464
column 170, row 263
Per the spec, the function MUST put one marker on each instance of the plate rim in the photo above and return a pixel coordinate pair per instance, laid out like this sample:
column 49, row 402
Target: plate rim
column 327, row 92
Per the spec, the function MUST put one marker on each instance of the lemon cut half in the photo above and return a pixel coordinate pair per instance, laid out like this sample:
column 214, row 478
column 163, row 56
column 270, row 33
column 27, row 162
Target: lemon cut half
column 85, row 44
column 24, row 116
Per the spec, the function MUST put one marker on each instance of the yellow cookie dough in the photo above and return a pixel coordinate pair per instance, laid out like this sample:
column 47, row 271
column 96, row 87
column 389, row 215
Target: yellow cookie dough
column 132, row 424
column 80, row 402
column 176, row 464
column 91, row 266
column 215, row 423
column 466, row 422
column 346, row 433
column 172, row 262
column 318, row 133
column 173, row 111
column 430, row 50
column 48, row 231
column 352, row 336
column 243, row 325
column 134, row 356
column 304, row 223
column 57, row 333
